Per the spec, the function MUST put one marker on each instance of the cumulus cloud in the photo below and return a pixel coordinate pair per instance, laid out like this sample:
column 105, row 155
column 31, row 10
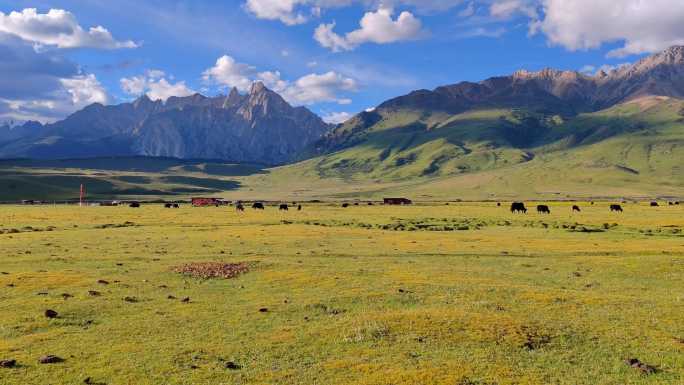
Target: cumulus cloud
column 155, row 85
column 642, row 26
column 283, row 10
column 42, row 86
column 58, row 28
column 72, row 95
column 375, row 27
column 336, row 117
column 228, row 72
column 316, row 88
column 307, row 90
column 294, row 12
column 85, row 90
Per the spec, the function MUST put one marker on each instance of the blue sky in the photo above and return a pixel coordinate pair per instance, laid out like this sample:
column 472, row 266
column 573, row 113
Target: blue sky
column 316, row 53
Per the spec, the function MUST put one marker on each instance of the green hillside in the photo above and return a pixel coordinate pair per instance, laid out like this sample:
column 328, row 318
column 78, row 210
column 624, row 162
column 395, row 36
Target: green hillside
column 630, row 150
column 633, row 150
column 122, row 178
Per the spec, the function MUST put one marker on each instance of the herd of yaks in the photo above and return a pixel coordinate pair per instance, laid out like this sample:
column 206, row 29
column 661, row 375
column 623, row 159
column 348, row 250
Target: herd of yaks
column 516, row 207
column 519, row 207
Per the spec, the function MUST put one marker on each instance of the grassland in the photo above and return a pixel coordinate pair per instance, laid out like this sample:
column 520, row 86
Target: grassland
column 432, row 294
column 632, row 150
column 141, row 178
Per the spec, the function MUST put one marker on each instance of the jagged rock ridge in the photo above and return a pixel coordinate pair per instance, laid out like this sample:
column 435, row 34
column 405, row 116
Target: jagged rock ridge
column 257, row 127
column 549, row 91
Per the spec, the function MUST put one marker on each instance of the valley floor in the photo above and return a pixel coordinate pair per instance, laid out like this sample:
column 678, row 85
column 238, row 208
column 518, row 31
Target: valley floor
column 429, row 294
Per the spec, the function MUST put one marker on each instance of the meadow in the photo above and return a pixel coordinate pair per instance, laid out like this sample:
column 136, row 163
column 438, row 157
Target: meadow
column 462, row 294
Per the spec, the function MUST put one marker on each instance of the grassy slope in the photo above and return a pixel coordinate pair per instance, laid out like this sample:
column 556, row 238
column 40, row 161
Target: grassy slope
column 470, row 304
column 630, row 150
column 130, row 178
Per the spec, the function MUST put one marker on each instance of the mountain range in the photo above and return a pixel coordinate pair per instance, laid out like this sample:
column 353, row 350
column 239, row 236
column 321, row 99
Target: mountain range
column 260, row 127
column 620, row 130
column 549, row 92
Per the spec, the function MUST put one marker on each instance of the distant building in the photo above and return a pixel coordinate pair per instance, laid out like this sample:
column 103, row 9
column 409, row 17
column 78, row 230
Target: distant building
column 397, row 201
column 205, row 202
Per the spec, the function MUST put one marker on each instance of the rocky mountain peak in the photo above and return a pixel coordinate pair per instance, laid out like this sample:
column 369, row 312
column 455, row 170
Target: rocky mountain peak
column 257, row 88
column 234, row 93
column 671, row 58
column 142, row 102
column 672, row 55
column 548, row 74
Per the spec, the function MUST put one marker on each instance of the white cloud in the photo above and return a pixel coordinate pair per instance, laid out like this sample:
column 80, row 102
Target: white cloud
column 155, row 85
column 272, row 80
column 508, row 8
column 307, row 90
column 85, row 90
column 74, row 94
column 317, row 88
column 468, row 10
column 42, row 86
column 294, row 12
column 162, row 90
column 283, row 10
column 228, row 72
column 376, row 27
column 641, row 26
column 326, row 37
column 57, row 28
column 337, row 117
column 483, row 32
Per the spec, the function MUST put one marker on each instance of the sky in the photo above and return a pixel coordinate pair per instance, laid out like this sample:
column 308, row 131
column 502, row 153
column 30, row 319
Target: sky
column 336, row 57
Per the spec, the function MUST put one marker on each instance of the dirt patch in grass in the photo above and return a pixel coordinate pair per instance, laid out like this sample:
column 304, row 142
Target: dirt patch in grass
column 209, row 270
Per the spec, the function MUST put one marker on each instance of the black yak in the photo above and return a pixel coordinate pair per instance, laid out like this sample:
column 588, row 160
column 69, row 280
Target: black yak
column 543, row 209
column 518, row 207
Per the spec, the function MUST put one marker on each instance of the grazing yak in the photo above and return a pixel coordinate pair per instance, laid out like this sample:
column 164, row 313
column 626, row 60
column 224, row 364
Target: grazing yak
column 240, row 207
column 576, row 208
column 616, row 208
column 654, row 204
column 518, row 207
column 543, row 209
column 134, row 205
column 345, row 205
column 258, row 206
column 284, row 207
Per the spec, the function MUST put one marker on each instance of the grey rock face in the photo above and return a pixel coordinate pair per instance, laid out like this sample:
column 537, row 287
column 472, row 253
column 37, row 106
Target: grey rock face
column 567, row 92
column 549, row 91
column 258, row 127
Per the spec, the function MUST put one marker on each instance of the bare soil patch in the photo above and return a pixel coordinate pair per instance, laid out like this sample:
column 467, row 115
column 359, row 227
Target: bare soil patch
column 209, row 270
